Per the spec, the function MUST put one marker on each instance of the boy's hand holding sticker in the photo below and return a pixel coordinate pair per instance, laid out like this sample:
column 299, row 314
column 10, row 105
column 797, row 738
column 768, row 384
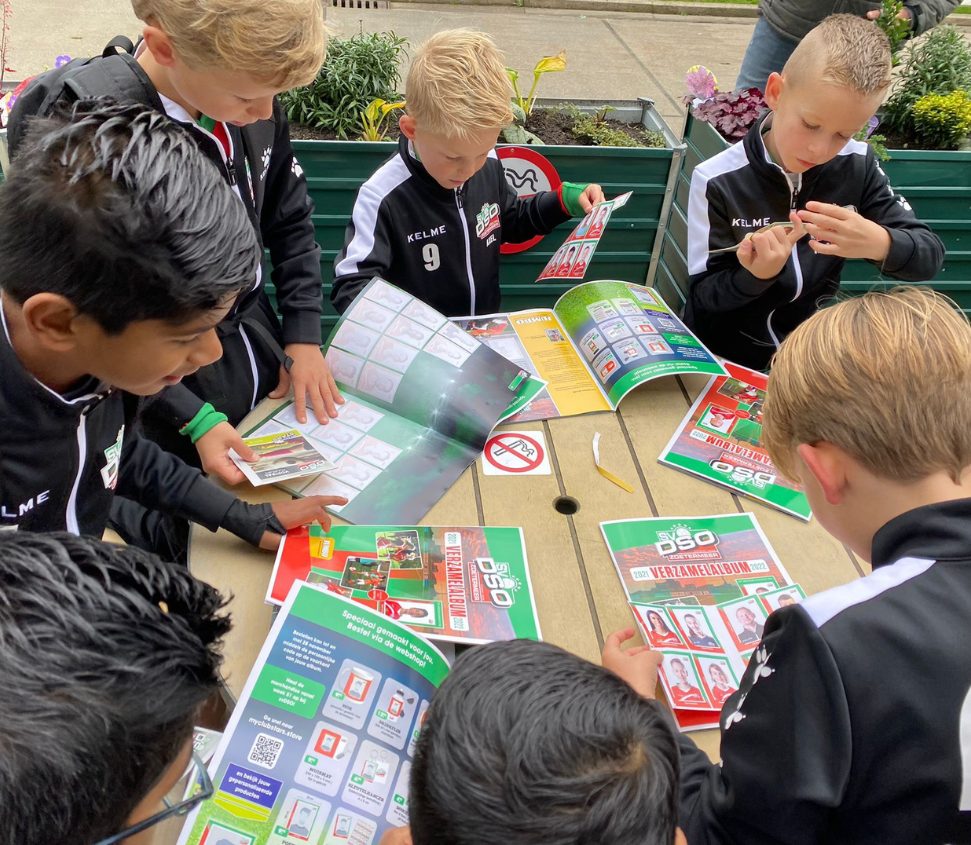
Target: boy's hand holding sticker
column 637, row 665
column 281, row 457
column 572, row 259
column 766, row 252
column 841, row 231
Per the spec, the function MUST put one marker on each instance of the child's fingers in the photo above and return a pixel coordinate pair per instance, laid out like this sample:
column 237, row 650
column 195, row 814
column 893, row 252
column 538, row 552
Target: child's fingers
column 824, row 248
column 641, row 649
column 746, row 254
column 317, row 403
column 615, row 640
column 827, row 209
column 282, row 387
column 798, row 230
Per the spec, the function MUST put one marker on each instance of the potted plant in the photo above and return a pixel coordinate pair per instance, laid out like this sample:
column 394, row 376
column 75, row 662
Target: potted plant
column 924, row 138
column 364, row 101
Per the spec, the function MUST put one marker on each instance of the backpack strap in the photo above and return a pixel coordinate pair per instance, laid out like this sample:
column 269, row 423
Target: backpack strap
column 119, row 42
column 117, row 76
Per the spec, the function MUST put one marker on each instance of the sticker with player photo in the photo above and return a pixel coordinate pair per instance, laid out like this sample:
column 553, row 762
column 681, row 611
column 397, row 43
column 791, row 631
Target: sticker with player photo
column 657, row 628
column 745, row 620
column 681, row 682
column 696, row 628
column 757, row 586
column 784, row 597
column 718, row 678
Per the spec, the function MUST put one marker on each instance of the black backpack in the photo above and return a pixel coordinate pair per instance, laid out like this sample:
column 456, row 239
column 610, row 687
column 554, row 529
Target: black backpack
column 114, row 74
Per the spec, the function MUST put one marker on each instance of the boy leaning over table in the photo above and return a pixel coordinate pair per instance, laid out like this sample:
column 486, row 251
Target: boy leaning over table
column 851, row 724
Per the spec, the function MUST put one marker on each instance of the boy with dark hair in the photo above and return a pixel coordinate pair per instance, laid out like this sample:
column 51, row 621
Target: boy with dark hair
column 216, row 66
column 121, row 251
column 108, row 655
column 800, row 171
column 525, row 743
column 850, row 726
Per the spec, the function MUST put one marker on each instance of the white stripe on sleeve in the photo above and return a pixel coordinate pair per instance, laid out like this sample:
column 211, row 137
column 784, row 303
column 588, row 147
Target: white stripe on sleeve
column 365, row 217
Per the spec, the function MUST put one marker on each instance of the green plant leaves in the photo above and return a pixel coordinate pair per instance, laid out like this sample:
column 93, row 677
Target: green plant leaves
column 358, row 70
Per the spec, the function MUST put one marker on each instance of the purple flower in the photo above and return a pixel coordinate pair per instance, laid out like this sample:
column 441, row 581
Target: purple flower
column 701, row 82
column 871, row 124
column 60, row 61
column 732, row 113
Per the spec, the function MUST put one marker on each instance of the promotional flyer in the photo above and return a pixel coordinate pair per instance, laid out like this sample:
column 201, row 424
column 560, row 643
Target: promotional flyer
column 319, row 748
column 721, row 441
column 462, row 585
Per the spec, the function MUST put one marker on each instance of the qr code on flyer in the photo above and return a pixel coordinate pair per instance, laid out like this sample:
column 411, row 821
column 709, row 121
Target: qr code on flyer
column 265, row 751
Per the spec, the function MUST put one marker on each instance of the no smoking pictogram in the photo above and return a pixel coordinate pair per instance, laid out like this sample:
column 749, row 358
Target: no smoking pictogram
column 516, row 452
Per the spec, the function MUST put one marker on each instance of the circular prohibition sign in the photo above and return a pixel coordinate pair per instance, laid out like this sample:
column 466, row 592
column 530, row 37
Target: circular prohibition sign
column 528, row 172
column 514, row 452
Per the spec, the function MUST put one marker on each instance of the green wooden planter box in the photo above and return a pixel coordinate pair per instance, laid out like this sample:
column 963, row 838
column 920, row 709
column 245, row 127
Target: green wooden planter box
column 937, row 185
column 630, row 249
column 336, row 169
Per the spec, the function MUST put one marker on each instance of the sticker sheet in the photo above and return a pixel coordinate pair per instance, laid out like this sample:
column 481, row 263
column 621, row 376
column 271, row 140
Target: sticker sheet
column 571, row 260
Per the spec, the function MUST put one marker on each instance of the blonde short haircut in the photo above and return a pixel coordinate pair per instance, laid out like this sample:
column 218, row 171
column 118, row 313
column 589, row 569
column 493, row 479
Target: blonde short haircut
column 843, row 50
column 457, row 84
column 279, row 43
column 886, row 377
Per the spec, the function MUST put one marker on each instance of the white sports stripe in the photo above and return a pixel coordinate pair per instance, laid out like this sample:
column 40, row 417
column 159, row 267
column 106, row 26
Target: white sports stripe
column 727, row 161
column 854, row 147
column 385, row 179
column 824, row 606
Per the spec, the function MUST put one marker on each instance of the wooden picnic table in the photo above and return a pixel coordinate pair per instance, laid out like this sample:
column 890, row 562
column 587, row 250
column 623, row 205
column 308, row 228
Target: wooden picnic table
column 578, row 594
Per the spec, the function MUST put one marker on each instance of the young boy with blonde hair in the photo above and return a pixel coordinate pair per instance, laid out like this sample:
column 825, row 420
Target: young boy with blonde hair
column 800, row 169
column 432, row 218
column 851, row 721
column 217, row 66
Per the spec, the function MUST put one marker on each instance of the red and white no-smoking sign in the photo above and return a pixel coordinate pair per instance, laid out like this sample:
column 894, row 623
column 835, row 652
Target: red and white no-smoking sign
column 516, row 453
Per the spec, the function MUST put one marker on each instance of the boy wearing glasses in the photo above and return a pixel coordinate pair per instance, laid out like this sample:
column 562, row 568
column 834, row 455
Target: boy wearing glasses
column 108, row 655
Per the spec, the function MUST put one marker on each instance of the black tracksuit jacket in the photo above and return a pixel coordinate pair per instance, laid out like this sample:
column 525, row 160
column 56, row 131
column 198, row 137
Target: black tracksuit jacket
column 271, row 185
column 63, row 459
column 852, row 724
column 744, row 318
column 440, row 245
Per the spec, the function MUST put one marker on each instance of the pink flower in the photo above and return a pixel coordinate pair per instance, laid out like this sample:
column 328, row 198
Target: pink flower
column 701, row 82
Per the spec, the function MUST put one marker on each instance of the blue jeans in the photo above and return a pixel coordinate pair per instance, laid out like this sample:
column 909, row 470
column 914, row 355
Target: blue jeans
column 766, row 52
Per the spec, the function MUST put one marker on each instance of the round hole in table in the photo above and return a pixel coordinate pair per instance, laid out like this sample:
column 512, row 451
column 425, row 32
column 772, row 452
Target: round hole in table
column 566, row 505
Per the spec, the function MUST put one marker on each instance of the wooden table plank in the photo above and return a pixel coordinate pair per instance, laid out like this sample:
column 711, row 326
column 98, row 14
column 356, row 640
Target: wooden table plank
column 600, row 500
column 562, row 601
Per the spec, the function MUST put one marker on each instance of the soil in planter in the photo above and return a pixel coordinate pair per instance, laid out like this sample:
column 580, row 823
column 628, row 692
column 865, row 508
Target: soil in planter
column 299, row 132
column 896, row 141
column 551, row 125
column 554, row 127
